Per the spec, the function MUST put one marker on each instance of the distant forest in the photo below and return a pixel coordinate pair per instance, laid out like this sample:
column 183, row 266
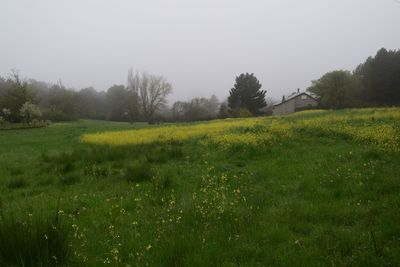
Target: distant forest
column 376, row 82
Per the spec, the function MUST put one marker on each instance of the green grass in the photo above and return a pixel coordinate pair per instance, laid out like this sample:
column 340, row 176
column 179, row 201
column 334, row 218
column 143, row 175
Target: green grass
column 40, row 240
column 317, row 199
column 23, row 125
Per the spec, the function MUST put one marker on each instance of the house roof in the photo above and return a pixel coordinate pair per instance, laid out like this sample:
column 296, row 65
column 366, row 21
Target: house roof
column 294, row 95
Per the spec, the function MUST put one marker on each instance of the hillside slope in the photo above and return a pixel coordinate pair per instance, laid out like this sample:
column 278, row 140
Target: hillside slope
column 315, row 188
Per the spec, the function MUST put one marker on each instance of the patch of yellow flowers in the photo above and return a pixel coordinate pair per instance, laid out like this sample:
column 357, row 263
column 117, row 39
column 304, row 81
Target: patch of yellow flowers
column 375, row 126
column 169, row 133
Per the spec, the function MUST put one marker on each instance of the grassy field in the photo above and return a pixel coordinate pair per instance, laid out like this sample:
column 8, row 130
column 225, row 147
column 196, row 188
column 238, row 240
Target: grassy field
column 317, row 188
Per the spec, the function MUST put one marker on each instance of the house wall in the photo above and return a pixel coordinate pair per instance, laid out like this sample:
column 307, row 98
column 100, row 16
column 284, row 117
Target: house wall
column 285, row 108
column 301, row 103
column 294, row 104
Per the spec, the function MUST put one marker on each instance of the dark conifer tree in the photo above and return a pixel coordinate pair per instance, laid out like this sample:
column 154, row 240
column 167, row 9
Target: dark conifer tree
column 247, row 94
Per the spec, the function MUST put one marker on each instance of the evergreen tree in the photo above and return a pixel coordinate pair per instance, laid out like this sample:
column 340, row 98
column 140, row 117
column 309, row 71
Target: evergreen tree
column 380, row 76
column 246, row 94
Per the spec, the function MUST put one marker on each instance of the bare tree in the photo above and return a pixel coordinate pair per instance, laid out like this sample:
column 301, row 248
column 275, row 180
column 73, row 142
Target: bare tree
column 133, row 89
column 151, row 92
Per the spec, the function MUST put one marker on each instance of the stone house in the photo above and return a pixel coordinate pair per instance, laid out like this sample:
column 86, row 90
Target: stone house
column 294, row 102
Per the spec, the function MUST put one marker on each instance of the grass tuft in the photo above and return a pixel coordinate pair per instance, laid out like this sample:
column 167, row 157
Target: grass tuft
column 69, row 179
column 38, row 240
column 17, row 183
column 138, row 171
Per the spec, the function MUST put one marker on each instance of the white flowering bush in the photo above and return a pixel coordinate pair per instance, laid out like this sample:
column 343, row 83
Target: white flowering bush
column 30, row 111
column 6, row 113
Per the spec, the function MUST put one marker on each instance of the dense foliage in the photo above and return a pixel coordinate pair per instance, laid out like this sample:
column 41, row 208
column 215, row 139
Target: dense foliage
column 380, row 77
column 195, row 109
column 337, row 89
column 14, row 93
column 376, row 82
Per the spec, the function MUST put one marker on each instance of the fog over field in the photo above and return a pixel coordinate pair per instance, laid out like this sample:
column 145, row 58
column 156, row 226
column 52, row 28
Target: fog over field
column 199, row 46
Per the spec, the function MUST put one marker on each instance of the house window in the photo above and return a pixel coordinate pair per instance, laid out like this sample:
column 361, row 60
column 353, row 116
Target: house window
column 303, row 97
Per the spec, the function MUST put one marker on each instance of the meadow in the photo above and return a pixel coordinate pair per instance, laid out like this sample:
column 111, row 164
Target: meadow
column 316, row 188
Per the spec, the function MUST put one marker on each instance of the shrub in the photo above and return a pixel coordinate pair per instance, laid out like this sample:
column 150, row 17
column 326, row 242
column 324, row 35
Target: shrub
column 96, row 171
column 15, row 170
column 30, row 112
column 67, row 167
column 69, row 179
column 22, row 125
column 16, row 183
column 38, row 240
column 6, row 114
column 244, row 113
column 159, row 157
column 175, row 152
column 45, row 181
column 161, row 182
column 58, row 115
column 137, row 172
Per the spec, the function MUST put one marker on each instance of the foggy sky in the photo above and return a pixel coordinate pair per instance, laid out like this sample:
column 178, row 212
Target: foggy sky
column 199, row 46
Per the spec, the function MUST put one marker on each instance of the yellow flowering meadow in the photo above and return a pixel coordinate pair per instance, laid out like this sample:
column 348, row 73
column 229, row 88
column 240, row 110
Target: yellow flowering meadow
column 379, row 126
column 169, row 133
column 375, row 126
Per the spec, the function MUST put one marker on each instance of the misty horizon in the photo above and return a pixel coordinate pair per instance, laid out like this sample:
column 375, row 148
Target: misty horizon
column 200, row 47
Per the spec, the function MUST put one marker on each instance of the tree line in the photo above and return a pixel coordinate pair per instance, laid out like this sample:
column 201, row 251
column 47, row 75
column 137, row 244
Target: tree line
column 25, row 100
column 143, row 98
column 376, row 82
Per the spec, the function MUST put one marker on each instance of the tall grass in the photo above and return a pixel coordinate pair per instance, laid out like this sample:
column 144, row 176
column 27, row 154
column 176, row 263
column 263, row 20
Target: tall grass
column 17, row 182
column 137, row 171
column 37, row 240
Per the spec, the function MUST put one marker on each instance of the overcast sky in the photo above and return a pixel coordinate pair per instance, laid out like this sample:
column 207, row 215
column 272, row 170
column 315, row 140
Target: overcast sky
column 199, row 46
